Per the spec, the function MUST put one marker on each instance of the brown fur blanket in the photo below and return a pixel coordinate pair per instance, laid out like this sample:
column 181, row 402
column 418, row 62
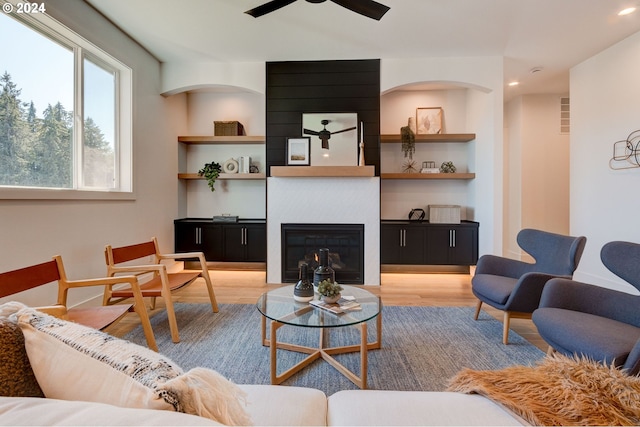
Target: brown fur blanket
column 559, row 391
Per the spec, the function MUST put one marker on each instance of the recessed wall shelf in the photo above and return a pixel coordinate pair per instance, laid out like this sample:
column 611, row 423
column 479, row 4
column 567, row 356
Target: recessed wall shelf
column 427, row 175
column 224, row 176
column 242, row 139
column 440, row 137
column 322, row 171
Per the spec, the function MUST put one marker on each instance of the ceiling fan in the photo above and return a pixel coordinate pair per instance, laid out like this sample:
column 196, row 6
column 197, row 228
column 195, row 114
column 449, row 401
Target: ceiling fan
column 368, row 8
column 324, row 134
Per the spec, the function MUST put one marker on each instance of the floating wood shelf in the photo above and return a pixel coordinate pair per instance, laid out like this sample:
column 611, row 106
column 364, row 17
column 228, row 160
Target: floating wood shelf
column 440, row 137
column 322, row 171
column 256, row 176
column 428, row 175
column 242, row 139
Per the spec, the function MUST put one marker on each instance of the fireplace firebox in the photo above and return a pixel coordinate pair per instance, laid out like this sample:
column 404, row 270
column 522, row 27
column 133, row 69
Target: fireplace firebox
column 302, row 242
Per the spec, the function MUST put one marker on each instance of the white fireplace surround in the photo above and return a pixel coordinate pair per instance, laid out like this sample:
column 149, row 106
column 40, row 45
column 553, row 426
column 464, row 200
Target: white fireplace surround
column 324, row 200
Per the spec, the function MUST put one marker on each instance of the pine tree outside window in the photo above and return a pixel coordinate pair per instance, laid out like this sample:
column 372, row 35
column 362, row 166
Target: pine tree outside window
column 65, row 114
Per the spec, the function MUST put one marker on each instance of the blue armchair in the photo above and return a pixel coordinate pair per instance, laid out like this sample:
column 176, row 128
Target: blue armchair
column 515, row 286
column 589, row 320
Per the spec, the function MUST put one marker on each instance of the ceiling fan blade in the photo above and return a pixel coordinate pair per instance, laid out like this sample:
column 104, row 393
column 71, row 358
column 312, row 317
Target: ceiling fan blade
column 343, row 130
column 269, row 7
column 368, row 8
column 310, row 132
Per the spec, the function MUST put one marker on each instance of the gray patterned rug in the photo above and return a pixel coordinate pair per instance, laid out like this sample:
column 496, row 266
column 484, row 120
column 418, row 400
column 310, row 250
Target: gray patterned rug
column 422, row 347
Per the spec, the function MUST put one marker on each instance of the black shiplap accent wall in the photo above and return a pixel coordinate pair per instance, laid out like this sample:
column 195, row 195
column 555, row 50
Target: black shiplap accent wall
column 293, row 88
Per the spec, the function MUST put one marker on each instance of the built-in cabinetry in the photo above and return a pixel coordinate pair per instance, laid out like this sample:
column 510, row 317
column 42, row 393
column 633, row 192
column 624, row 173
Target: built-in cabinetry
column 430, row 138
column 242, row 241
column 423, row 243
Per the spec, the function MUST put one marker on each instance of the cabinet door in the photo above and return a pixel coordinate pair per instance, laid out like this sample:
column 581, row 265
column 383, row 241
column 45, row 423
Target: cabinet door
column 401, row 244
column 212, row 242
column 465, row 249
column 186, row 237
column 234, row 248
column 256, row 242
column 390, row 244
column 413, row 249
column 439, row 242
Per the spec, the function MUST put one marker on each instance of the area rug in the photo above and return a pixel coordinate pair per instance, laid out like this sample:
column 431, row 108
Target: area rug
column 422, row 347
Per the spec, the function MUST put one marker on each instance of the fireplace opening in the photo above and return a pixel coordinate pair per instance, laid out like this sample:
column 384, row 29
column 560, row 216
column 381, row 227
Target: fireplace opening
column 302, row 242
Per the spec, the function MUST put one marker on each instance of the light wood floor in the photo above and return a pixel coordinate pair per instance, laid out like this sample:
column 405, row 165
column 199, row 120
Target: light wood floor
column 244, row 287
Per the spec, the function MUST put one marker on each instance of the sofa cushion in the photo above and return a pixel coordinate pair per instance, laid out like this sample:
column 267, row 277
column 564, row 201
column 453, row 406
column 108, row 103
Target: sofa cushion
column 15, row 411
column 419, row 408
column 74, row 362
column 272, row 405
column 16, row 376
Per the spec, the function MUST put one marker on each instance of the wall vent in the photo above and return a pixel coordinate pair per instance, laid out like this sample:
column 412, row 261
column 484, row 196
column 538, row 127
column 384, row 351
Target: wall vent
column 565, row 116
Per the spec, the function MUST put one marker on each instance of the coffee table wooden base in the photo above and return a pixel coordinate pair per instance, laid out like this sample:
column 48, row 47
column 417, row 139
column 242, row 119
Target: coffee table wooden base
column 322, row 352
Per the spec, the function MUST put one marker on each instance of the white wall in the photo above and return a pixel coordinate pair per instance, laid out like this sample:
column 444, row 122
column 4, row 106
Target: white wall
column 32, row 231
column 604, row 109
column 244, row 198
column 537, row 184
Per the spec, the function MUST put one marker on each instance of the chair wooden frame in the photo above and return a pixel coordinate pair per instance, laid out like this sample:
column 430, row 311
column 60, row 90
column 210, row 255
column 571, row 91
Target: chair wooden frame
column 162, row 283
column 99, row 317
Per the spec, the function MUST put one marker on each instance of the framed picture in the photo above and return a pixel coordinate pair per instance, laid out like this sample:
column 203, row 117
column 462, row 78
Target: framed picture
column 339, row 147
column 298, row 153
column 429, row 120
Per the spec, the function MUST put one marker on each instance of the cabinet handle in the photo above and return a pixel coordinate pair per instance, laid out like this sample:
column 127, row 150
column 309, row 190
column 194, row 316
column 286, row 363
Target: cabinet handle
column 404, row 238
column 198, row 235
column 452, row 238
column 400, row 237
column 243, row 236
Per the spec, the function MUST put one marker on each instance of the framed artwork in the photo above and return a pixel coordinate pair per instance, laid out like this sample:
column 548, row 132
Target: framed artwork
column 334, row 138
column 298, row 151
column 429, row 120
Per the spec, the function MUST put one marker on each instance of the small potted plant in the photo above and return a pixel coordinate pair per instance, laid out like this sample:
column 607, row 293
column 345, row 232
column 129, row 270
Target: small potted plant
column 329, row 290
column 211, row 171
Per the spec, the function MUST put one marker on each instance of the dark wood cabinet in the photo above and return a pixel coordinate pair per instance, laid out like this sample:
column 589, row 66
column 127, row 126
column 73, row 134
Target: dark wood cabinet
column 245, row 240
column 452, row 244
column 423, row 243
column 402, row 244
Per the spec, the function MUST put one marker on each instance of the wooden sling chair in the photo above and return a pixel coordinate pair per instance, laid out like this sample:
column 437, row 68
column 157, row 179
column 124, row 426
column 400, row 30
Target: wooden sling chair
column 162, row 283
column 99, row 317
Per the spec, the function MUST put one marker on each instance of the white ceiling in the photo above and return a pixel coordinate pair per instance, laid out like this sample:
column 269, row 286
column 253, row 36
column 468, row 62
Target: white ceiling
column 552, row 34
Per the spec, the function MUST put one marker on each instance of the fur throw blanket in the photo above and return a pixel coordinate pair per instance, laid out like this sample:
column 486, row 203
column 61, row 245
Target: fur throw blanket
column 559, row 391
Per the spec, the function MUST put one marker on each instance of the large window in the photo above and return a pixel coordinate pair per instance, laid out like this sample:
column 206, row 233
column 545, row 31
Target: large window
column 65, row 111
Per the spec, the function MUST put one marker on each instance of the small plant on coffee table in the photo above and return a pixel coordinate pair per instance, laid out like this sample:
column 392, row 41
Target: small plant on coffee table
column 328, row 288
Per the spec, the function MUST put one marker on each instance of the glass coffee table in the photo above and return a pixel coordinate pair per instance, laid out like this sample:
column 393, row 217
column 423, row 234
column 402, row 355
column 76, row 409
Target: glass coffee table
column 281, row 309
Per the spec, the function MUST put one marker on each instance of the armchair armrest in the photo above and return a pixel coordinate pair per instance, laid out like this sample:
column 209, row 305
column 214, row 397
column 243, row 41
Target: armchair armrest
column 632, row 364
column 181, row 255
column 132, row 280
column 59, row 311
column 500, row 266
column 597, row 300
column 527, row 292
column 138, row 269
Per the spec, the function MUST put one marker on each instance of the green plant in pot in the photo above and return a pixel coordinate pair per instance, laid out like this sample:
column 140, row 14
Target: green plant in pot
column 211, row 171
column 329, row 290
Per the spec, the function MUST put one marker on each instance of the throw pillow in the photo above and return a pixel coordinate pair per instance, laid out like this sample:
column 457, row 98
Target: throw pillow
column 16, row 376
column 559, row 391
column 74, row 362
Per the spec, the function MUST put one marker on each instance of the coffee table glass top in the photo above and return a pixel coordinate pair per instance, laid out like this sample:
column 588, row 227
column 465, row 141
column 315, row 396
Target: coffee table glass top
column 280, row 306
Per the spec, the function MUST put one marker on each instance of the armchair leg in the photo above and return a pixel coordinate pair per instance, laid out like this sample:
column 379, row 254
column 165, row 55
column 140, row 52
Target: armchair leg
column 477, row 310
column 207, row 280
column 505, row 326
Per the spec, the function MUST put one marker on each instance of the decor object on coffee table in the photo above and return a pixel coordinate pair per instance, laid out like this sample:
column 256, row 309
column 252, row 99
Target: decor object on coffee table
column 303, row 290
column 330, row 291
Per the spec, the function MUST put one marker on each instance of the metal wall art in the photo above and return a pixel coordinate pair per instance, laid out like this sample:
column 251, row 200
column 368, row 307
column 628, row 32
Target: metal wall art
column 626, row 153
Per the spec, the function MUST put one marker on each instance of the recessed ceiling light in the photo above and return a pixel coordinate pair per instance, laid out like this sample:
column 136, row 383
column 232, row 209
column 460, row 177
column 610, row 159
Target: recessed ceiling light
column 514, row 83
column 627, row 11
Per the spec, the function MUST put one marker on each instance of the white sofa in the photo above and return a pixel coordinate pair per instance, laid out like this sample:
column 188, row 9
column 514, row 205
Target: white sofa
column 281, row 406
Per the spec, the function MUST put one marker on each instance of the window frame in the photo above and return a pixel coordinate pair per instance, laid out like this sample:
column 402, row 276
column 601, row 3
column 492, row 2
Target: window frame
column 123, row 126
